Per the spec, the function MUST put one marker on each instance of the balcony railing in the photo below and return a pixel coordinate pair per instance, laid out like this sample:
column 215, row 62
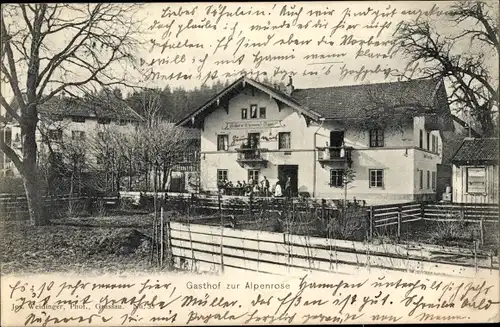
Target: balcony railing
column 334, row 154
column 251, row 156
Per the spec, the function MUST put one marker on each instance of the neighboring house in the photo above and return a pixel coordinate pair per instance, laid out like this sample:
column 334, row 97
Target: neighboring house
column 315, row 136
column 475, row 171
column 186, row 173
column 65, row 120
column 10, row 133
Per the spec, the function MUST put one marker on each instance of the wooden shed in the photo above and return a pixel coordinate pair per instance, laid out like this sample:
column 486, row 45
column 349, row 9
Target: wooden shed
column 476, row 171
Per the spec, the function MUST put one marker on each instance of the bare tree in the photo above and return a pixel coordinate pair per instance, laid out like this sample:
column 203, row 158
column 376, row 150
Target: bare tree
column 61, row 47
column 471, row 74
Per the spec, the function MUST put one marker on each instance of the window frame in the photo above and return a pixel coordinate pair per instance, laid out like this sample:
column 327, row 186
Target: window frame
column 483, row 169
column 421, row 139
column 382, row 182
column 253, row 111
column 221, row 173
column 280, row 134
column 428, row 179
column 263, row 116
column 421, row 179
column 57, row 132
column 225, row 143
column 428, row 141
column 339, row 177
column 251, row 174
column 249, row 142
column 434, row 180
column 81, row 135
column 244, row 113
column 377, row 138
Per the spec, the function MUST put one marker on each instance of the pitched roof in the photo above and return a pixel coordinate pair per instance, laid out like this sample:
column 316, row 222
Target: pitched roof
column 236, row 87
column 423, row 96
column 477, row 150
column 97, row 107
column 352, row 101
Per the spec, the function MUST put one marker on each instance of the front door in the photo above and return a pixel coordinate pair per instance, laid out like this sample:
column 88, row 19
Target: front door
column 292, row 171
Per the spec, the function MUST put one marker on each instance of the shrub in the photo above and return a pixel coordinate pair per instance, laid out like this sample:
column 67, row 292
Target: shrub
column 452, row 232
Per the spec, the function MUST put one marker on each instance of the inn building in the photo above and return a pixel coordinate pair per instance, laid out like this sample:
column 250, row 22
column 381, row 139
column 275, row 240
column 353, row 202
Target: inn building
column 376, row 142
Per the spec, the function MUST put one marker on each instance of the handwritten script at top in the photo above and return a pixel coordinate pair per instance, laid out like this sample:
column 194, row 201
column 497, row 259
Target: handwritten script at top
column 190, row 301
column 206, row 42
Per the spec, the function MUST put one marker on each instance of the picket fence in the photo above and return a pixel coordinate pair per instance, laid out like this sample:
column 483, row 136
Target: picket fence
column 213, row 248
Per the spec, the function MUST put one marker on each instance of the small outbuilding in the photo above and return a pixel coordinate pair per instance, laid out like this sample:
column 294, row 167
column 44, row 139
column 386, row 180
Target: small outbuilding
column 475, row 171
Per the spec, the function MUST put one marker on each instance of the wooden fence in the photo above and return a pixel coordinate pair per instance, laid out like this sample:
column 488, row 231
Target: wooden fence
column 15, row 207
column 209, row 248
column 398, row 214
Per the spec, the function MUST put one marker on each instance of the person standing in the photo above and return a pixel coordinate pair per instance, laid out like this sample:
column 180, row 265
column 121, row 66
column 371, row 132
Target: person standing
column 277, row 190
column 265, row 186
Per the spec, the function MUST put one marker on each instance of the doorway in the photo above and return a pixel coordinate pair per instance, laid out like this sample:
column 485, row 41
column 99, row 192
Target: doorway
column 292, row 171
column 336, row 141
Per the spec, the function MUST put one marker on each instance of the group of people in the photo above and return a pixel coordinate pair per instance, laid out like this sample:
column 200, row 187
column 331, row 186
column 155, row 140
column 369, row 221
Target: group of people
column 262, row 188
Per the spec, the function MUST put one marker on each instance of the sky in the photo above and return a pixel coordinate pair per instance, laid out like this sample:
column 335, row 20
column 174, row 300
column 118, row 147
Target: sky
column 320, row 44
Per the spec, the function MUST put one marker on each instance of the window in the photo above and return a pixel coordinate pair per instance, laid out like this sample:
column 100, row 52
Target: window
column 376, row 178
column 421, row 179
column 55, row 134
column 428, row 179
column 78, row 119
column 262, row 112
column 254, row 175
column 77, row 135
column 244, row 113
column 221, row 175
column 284, row 140
column 376, row 138
column 103, row 121
column 254, row 140
column 336, row 178
column 434, row 181
column 476, row 180
column 434, row 143
column 253, row 111
column 222, row 142
column 429, row 141
column 421, row 139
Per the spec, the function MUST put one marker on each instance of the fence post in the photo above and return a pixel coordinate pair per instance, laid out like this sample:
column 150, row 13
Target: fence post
column 371, row 222
column 219, row 197
column 399, row 225
column 481, row 229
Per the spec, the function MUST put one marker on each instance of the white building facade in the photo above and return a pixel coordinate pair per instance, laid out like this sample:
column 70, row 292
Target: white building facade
column 251, row 130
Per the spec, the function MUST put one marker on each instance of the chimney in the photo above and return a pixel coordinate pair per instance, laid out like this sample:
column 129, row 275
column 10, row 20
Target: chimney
column 289, row 87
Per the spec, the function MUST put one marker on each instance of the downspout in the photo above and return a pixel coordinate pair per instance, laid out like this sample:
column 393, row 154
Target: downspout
column 322, row 119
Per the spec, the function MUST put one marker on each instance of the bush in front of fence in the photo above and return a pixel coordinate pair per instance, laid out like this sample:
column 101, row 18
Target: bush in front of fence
column 454, row 233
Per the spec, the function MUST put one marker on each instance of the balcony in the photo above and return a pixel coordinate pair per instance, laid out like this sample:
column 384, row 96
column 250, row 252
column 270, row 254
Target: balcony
column 251, row 157
column 337, row 154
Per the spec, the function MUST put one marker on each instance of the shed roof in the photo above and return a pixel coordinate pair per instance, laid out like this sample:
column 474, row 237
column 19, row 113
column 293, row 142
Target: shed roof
column 477, row 150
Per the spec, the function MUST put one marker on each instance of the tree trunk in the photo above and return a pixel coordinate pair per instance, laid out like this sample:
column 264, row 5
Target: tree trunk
column 31, row 177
